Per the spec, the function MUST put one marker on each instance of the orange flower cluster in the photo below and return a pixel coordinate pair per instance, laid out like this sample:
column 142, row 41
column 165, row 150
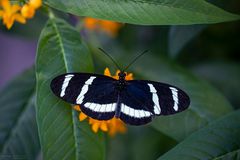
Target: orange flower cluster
column 111, row 126
column 109, row 27
column 14, row 12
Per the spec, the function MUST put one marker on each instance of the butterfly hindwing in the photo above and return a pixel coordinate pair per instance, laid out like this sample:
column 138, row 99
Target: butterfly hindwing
column 100, row 102
column 136, row 108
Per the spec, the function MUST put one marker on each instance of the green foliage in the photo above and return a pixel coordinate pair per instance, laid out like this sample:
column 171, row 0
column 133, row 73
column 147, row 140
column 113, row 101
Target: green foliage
column 149, row 144
column 18, row 129
column 61, row 50
column 154, row 142
column 201, row 132
column 210, row 72
column 219, row 140
column 179, row 36
column 147, row 12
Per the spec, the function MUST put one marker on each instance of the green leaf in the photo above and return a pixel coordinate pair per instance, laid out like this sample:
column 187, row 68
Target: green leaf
column 226, row 81
column 62, row 136
column 146, row 12
column 179, row 36
column 219, row 140
column 155, row 144
column 18, row 127
column 206, row 103
column 139, row 143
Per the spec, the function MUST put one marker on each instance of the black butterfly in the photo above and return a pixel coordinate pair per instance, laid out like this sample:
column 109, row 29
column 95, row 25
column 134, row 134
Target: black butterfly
column 135, row 102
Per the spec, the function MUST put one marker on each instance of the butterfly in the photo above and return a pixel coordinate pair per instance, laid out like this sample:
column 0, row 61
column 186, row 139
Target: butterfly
column 135, row 102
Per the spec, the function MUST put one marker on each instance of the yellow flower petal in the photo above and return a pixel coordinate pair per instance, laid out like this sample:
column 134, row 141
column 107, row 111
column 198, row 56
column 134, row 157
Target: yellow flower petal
column 8, row 22
column 76, row 107
column 90, row 23
column 104, row 126
column 109, row 27
column 116, row 74
column 107, row 72
column 82, row 116
column 19, row 18
column 121, row 126
column 27, row 11
column 115, row 125
column 90, row 120
column 15, row 8
column 10, row 13
column 95, row 127
column 129, row 76
column 6, row 5
column 35, row 3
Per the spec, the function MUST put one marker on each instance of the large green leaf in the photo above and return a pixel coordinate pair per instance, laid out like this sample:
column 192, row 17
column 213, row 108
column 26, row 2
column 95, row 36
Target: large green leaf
column 18, row 127
column 146, row 12
column 226, row 81
column 219, row 140
column 139, row 143
column 206, row 103
column 179, row 36
column 155, row 144
column 62, row 136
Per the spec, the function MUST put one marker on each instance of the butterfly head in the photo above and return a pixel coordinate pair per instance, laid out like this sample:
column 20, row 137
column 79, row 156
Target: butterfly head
column 121, row 78
column 122, row 75
column 121, row 81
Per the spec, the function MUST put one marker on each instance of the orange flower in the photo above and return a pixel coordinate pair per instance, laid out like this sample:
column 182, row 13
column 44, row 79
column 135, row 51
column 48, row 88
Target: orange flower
column 109, row 27
column 35, row 3
column 111, row 126
column 115, row 126
column 129, row 76
column 28, row 9
column 10, row 13
column 91, row 23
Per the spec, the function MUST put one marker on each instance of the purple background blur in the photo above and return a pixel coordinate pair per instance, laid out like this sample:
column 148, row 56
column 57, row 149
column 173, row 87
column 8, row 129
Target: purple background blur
column 16, row 55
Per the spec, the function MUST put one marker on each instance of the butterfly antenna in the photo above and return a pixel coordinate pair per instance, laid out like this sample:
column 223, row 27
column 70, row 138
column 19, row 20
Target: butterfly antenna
column 118, row 67
column 135, row 59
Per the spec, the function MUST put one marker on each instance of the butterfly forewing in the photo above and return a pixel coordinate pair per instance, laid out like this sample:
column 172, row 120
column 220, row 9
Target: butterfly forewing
column 167, row 99
column 68, row 86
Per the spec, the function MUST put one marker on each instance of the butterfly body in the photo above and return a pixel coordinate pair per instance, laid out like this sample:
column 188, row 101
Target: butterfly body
column 135, row 102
